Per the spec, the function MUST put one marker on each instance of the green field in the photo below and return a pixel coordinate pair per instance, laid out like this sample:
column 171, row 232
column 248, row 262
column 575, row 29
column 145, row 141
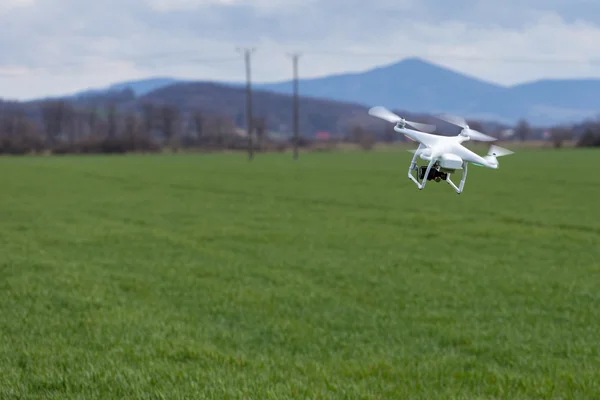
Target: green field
column 206, row 276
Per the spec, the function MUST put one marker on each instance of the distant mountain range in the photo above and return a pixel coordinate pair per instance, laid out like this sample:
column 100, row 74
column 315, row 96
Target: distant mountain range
column 139, row 87
column 419, row 86
column 422, row 87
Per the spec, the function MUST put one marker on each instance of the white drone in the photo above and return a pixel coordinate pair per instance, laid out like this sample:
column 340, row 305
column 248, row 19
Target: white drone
column 445, row 154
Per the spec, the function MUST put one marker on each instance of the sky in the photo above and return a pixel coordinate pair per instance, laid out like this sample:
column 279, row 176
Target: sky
column 55, row 47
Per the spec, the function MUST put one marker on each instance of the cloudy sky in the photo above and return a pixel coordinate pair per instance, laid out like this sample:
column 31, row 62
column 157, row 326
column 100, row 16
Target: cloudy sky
column 50, row 47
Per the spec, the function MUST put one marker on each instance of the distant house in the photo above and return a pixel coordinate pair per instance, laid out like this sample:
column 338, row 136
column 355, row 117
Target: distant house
column 546, row 134
column 321, row 135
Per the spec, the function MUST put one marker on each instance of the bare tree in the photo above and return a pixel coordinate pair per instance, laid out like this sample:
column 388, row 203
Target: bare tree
column 356, row 132
column 92, row 121
column 70, row 123
column 199, row 121
column 219, row 125
column 53, row 115
column 590, row 138
column 111, row 118
column 523, row 130
column 389, row 134
column 366, row 140
column 18, row 134
column 131, row 126
column 260, row 129
column 169, row 115
column 149, row 115
column 559, row 135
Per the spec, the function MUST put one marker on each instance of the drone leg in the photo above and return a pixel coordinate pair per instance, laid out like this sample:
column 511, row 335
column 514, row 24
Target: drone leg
column 461, row 185
column 413, row 166
column 422, row 185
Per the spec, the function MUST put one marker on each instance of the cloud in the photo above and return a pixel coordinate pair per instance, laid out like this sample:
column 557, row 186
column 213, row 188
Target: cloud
column 9, row 5
column 52, row 47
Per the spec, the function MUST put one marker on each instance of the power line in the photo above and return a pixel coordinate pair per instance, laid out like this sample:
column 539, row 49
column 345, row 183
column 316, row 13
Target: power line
column 249, row 116
column 295, row 57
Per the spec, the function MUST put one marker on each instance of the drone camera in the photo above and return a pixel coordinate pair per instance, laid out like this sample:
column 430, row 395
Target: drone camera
column 434, row 174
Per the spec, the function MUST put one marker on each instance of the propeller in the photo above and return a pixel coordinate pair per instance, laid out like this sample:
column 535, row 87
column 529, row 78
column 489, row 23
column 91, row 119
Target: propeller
column 498, row 151
column 471, row 133
column 387, row 115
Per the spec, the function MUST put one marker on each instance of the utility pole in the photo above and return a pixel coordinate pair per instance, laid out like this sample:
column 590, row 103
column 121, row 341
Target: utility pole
column 295, row 57
column 249, row 117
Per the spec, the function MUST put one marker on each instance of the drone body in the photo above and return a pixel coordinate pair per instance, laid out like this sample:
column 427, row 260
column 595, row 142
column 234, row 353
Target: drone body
column 445, row 154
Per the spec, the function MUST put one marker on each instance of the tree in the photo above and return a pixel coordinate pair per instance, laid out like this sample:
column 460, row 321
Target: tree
column 356, row 133
column 70, row 120
column 219, row 128
column 53, row 116
column 389, row 134
column 198, row 118
column 523, row 130
column 131, row 127
column 260, row 129
column 18, row 134
column 170, row 117
column 92, row 120
column 149, row 118
column 366, row 140
column 559, row 134
column 111, row 119
column 589, row 138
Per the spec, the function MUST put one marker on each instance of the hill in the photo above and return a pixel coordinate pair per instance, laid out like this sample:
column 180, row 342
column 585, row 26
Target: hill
column 138, row 87
column 277, row 109
column 228, row 102
column 422, row 87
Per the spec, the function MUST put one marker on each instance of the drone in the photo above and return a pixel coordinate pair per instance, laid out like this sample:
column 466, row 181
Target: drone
column 445, row 154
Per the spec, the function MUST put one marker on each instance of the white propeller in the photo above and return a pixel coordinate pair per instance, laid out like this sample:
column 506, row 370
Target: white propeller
column 471, row 133
column 387, row 115
column 498, row 151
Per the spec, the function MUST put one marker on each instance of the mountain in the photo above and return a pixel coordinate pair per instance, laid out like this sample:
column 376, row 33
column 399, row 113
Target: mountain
column 422, row 87
column 139, row 87
column 411, row 84
column 553, row 100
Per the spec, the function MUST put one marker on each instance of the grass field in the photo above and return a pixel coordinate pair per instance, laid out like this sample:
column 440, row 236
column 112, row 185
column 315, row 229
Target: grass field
column 331, row 277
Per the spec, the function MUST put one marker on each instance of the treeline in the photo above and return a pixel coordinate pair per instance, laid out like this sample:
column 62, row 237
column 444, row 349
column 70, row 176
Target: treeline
column 61, row 126
column 584, row 134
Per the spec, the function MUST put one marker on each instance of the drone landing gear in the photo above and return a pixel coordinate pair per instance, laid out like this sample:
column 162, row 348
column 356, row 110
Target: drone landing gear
column 461, row 184
column 432, row 172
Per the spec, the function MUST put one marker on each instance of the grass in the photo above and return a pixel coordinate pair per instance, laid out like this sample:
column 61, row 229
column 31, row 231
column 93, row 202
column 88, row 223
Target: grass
column 205, row 276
